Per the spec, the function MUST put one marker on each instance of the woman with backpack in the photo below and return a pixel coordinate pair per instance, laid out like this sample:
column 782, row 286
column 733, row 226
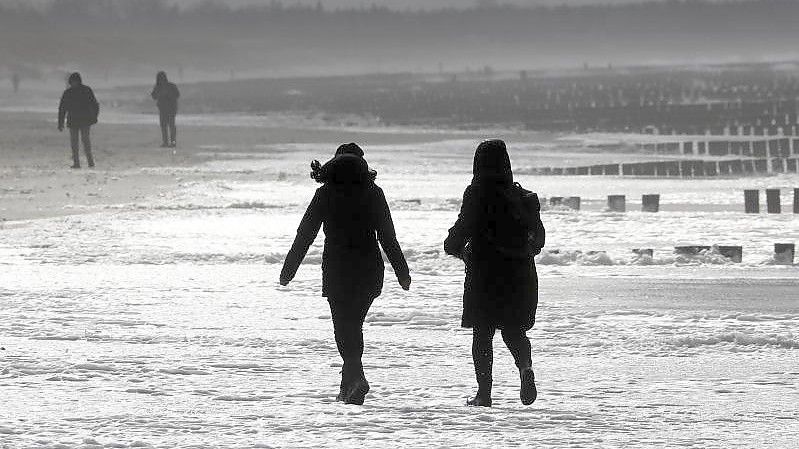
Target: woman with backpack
column 355, row 215
column 497, row 234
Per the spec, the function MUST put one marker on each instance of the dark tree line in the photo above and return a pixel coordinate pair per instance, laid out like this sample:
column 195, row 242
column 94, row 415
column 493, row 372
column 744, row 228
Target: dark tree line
column 683, row 15
column 99, row 33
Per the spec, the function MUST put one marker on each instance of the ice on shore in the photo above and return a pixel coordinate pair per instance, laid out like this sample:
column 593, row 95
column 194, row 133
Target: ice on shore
column 161, row 324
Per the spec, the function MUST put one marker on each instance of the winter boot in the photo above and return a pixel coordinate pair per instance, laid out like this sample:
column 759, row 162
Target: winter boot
column 483, row 396
column 356, row 393
column 528, row 393
column 480, row 400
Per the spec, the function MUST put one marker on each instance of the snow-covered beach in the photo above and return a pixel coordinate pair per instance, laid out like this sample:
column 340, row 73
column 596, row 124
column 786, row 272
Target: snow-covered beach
column 140, row 304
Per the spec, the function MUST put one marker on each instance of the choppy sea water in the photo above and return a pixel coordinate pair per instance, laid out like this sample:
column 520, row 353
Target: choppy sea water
column 161, row 324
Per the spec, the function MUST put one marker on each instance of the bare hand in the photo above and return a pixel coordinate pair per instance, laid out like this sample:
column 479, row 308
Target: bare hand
column 60, row 128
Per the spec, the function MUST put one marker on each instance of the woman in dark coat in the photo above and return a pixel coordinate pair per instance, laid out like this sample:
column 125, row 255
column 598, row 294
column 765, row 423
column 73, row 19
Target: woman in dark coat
column 356, row 217
column 497, row 234
column 166, row 96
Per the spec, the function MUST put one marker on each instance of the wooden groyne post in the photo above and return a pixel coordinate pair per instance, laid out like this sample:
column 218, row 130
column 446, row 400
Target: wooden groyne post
column 796, row 201
column 773, row 205
column 784, row 253
column 650, row 202
column 617, row 203
column 734, row 253
column 572, row 202
column 752, row 201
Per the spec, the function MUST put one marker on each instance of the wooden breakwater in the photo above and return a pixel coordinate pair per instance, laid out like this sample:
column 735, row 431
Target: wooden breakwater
column 680, row 168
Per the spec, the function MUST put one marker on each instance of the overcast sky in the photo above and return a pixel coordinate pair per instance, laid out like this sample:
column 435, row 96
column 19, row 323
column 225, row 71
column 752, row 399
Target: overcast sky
column 395, row 4
column 427, row 4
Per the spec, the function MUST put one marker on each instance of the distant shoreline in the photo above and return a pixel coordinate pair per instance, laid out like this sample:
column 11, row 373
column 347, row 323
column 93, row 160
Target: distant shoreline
column 36, row 181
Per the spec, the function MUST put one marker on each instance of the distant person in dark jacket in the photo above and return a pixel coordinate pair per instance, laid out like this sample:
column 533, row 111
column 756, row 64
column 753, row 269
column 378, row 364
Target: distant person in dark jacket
column 81, row 109
column 356, row 217
column 15, row 80
column 497, row 234
column 166, row 96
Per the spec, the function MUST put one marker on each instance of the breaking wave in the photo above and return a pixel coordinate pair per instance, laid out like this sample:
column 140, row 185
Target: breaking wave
column 577, row 257
column 216, row 258
column 783, row 341
column 193, row 206
column 435, row 258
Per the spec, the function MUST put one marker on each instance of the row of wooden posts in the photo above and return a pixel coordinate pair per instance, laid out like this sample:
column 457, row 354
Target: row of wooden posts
column 784, row 253
column 688, row 168
column 773, row 201
column 616, row 203
column 651, row 202
column 736, row 146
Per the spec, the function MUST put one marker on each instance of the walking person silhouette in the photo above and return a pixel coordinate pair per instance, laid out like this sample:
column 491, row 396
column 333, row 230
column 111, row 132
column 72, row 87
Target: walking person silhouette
column 355, row 215
column 497, row 234
column 15, row 80
column 166, row 94
column 80, row 109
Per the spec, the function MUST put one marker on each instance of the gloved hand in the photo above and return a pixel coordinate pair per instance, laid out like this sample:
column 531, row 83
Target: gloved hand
column 405, row 282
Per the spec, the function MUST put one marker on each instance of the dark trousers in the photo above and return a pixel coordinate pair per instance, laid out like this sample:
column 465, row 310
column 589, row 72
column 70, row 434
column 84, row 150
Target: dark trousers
column 168, row 128
column 75, row 136
column 348, row 316
column 483, row 352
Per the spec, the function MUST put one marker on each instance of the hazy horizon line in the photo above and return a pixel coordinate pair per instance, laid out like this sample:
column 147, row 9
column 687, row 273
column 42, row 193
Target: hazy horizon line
column 392, row 5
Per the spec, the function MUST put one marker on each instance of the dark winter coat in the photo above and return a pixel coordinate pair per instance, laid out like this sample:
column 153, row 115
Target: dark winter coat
column 79, row 107
column 497, row 234
column 166, row 96
column 355, row 215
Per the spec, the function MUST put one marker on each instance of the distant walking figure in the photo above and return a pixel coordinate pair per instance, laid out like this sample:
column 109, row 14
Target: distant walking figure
column 355, row 215
column 15, row 80
column 497, row 234
column 81, row 109
column 166, row 96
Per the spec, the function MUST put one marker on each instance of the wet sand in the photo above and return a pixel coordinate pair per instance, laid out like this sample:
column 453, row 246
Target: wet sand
column 36, row 181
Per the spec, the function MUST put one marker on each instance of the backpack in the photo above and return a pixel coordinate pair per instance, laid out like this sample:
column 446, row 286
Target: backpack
column 531, row 210
column 525, row 218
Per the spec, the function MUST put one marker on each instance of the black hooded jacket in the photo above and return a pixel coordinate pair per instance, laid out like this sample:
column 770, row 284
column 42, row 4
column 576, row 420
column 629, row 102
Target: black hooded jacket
column 78, row 105
column 355, row 215
column 165, row 94
column 497, row 233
